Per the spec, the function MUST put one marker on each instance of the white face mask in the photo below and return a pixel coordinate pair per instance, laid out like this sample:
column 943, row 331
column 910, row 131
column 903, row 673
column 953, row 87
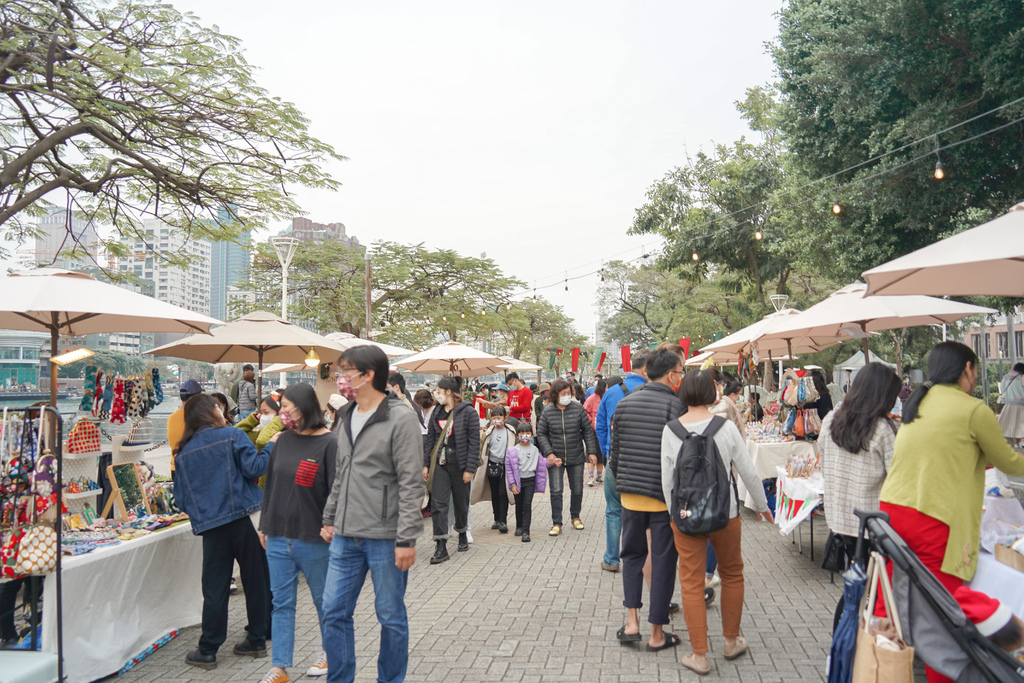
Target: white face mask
column 440, row 397
column 565, row 400
column 265, row 420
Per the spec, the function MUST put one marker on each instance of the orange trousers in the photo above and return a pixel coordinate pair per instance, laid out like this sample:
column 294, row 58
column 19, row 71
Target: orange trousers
column 693, row 552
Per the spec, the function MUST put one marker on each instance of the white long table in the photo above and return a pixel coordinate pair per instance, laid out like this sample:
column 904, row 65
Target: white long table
column 999, row 581
column 118, row 601
column 768, row 456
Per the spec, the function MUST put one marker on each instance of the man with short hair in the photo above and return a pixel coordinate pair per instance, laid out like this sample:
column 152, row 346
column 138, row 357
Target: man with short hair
column 635, row 460
column 380, row 455
column 520, row 398
column 176, row 420
column 605, row 410
column 593, row 386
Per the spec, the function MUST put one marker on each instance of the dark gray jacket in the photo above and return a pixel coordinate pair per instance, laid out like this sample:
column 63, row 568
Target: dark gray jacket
column 564, row 432
column 378, row 484
column 635, row 453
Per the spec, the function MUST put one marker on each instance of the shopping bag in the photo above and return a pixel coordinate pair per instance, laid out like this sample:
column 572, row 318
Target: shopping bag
column 876, row 662
column 436, row 450
column 84, row 437
column 9, row 553
column 37, row 552
column 141, row 432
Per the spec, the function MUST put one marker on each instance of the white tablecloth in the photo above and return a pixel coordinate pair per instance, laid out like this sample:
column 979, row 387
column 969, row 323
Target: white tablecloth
column 768, row 456
column 796, row 499
column 119, row 600
column 999, row 581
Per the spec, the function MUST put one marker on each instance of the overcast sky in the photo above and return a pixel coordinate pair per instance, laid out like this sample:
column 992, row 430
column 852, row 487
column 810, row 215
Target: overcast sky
column 528, row 131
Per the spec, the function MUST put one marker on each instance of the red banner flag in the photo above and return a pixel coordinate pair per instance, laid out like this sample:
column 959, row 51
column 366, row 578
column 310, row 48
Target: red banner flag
column 685, row 343
column 627, row 364
column 601, row 362
column 558, row 352
column 575, row 359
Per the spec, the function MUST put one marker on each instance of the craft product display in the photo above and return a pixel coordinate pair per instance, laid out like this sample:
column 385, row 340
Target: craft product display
column 794, row 410
column 108, row 396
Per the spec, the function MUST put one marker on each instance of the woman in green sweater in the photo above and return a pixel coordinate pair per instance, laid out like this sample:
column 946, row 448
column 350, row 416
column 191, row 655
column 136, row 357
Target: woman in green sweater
column 935, row 487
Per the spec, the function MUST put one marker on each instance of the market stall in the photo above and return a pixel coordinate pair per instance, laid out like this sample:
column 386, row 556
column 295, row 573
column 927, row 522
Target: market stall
column 770, row 451
column 119, row 599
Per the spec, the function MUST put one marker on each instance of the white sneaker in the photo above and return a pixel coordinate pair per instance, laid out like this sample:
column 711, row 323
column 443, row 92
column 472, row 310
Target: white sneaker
column 469, row 536
column 319, row 668
column 714, row 582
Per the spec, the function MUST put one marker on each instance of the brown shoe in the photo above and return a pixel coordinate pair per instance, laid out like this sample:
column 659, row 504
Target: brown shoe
column 609, row 567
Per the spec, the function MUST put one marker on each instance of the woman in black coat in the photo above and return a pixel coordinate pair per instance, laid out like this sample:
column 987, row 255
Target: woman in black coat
column 457, row 460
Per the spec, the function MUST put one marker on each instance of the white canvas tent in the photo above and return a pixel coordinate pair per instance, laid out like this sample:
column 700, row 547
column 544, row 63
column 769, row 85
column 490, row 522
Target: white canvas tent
column 848, row 368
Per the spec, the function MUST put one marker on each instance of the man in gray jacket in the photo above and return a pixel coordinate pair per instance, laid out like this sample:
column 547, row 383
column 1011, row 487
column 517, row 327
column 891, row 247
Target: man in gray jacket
column 372, row 517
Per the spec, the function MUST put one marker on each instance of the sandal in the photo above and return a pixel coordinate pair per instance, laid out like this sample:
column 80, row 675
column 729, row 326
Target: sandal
column 671, row 640
column 741, row 649
column 627, row 637
column 556, row 530
column 690, row 662
column 577, row 524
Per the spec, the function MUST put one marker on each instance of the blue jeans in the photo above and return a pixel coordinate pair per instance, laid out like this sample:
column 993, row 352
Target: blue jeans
column 556, row 483
column 350, row 560
column 612, row 519
column 712, row 563
column 287, row 557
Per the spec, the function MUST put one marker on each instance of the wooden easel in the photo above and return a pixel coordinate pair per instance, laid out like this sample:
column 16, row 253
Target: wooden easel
column 117, row 497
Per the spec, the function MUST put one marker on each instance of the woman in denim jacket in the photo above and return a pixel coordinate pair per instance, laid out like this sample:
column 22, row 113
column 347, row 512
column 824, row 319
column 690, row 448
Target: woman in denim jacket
column 214, row 483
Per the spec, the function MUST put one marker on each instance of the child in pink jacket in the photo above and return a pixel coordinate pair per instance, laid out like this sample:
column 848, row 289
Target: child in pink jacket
column 526, row 473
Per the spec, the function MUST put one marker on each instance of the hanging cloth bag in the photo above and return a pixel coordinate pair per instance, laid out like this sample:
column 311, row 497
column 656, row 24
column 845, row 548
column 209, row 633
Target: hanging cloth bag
column 878, row 659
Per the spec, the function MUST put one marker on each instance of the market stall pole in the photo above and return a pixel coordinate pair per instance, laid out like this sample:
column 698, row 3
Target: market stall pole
column 257, row 337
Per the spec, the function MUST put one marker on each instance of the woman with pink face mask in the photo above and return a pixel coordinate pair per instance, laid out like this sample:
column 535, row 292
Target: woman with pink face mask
column 300, row 474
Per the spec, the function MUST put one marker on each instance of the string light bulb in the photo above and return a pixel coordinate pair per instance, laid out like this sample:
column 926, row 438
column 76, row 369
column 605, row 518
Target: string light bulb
column 758, row 235
column 695, row 256
column 444, row 318
column 939, row 172
column 463, row 315
column 508, row 307
column 836, row 208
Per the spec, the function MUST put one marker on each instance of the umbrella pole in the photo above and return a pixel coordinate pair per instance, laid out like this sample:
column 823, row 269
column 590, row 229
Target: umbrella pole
column 53, row 366
column 789, row 347
column 259, row 389
column 867, row 350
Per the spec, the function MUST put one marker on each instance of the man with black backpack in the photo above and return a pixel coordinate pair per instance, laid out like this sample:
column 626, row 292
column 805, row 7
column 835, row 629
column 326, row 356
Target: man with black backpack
column 635, row 460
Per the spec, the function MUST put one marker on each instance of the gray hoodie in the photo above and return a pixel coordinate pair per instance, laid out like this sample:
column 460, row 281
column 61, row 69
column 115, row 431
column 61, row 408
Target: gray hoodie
column 378, row 485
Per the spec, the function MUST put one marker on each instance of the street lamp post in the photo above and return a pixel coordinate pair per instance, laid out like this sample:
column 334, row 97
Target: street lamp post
column 285, row 248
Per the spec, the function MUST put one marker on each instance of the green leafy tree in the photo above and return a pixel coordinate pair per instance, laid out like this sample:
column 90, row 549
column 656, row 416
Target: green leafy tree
column 136, row 110
column 532, row 326
column 419, row 296
column 864, row 77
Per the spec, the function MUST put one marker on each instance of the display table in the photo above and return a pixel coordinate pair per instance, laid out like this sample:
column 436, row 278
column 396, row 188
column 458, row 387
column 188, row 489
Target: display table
column 768, row 456
column 796, row 499
column 119, row 600
column 1000, row 582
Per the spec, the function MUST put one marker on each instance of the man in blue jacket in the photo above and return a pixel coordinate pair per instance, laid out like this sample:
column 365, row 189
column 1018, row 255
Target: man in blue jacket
column 613, row 505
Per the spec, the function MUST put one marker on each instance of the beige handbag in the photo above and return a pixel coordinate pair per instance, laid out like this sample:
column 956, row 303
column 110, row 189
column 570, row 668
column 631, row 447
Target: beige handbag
column 872, row 661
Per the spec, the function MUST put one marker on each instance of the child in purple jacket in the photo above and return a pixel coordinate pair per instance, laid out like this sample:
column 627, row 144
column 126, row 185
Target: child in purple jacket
column 526, row 473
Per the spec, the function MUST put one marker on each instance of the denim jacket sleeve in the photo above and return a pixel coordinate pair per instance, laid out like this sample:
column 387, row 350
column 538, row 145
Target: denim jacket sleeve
column 251, row 463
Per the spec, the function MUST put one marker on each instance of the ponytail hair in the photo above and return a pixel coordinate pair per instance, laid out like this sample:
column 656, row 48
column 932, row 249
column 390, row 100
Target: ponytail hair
column 454, row 385
column 946, row 362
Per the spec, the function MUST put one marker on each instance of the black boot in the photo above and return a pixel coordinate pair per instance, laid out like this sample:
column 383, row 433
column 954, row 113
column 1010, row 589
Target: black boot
column 463, row 542
column 502, row 528
column 440, row 553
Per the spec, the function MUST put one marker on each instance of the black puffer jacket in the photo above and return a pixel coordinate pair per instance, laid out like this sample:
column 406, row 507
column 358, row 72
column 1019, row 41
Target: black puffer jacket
column 465, row 433
column 635, row 453
column 563, row 432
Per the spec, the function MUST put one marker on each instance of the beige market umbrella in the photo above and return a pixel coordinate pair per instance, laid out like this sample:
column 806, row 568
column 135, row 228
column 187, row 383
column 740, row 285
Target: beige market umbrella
column 848, row 313
column 65, row 302
column 514, row 365
column 984, row 261
column 345, row 341
column 257, row 337
column 453, row 358
column 752, row 338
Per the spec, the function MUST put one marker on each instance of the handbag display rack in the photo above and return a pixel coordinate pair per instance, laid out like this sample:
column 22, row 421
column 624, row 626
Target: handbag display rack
column 28, row 439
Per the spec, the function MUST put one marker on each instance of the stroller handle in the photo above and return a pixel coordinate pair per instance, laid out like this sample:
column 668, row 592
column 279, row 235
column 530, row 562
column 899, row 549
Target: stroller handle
column 861, row 551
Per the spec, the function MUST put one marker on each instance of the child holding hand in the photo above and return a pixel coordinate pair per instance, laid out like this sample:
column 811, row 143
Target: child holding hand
column 526, row 474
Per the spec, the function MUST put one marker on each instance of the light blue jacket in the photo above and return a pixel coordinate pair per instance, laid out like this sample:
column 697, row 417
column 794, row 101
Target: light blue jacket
column 609, row 401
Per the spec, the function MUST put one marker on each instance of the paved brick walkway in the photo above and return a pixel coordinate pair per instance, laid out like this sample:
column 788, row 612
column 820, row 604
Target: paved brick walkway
column 545, row 612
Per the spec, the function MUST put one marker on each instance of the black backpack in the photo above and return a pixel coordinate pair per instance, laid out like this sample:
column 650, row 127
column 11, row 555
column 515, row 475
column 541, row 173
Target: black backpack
column 700, row 484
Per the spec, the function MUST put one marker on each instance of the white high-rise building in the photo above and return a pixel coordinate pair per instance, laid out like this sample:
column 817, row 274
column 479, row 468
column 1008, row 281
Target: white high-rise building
column 60, row 234
column 188, row 288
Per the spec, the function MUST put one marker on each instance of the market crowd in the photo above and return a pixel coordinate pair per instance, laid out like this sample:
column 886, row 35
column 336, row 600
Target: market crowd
column 346, row 491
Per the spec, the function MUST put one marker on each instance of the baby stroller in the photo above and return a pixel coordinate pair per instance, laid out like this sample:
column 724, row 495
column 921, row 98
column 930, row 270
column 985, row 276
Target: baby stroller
column 933, row 622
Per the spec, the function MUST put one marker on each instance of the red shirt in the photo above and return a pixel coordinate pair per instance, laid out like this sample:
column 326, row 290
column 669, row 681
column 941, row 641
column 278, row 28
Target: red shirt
column 520, row 403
